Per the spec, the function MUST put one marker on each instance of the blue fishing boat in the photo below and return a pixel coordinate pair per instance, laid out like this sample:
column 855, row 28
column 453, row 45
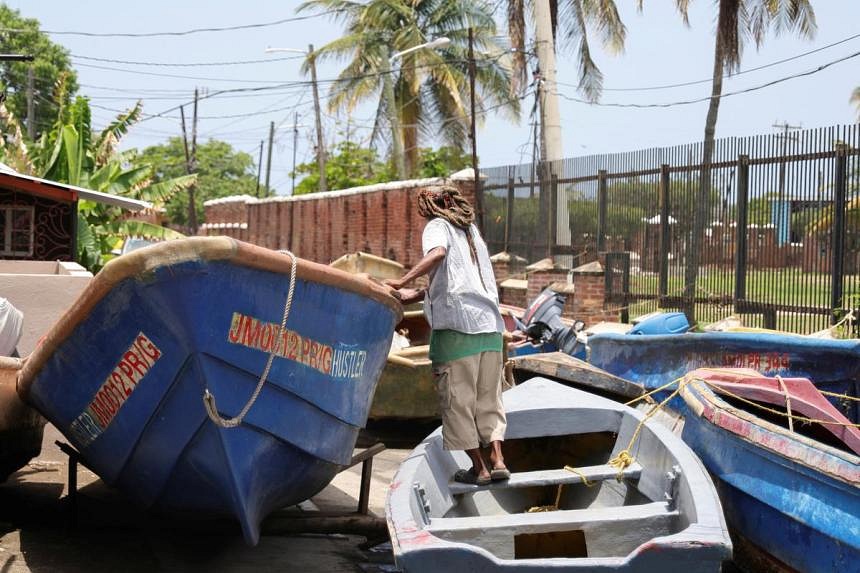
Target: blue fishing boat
column 653, row 361
column 790, row 487
column 211, row 377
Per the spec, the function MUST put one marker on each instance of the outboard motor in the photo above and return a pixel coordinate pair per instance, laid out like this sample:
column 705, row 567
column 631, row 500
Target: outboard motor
column 542, row 321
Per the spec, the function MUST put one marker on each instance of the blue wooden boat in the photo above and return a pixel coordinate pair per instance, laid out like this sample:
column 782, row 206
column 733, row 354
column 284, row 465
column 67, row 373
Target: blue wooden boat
column 792, row 493
column 566, row 506
column 175, row 378
column 653, row 361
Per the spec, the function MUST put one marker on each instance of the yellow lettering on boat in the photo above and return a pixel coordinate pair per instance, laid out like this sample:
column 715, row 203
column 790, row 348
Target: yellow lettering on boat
column 267, row 337
column 133, row 365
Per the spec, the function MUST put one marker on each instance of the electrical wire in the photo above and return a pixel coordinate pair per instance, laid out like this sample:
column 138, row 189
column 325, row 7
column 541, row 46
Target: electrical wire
column 180, row 33
column 726, row 76
column 708, row 98
column 187, row 65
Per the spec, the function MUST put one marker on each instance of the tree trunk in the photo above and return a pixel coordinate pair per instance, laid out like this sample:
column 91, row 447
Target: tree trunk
column 691, row 272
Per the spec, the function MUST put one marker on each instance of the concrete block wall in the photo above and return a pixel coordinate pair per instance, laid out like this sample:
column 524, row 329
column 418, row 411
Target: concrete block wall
column 378, row 219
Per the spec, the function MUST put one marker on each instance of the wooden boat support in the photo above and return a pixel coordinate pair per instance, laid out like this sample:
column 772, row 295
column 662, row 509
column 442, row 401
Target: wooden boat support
column 571, row 371
column 278, row 523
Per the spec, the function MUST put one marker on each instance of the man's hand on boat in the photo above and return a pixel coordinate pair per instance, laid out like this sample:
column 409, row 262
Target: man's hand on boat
column 408, row 295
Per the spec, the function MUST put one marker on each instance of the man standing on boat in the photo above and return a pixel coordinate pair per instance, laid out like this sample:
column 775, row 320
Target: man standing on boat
column 462, row 308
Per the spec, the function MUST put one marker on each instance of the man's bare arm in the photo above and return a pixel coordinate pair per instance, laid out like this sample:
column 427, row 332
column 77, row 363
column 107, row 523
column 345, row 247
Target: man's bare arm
column 425, row 266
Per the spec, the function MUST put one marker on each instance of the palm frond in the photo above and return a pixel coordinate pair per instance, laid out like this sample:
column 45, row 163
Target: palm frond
column 132, row 228
column 111, row 135
column 160, row 193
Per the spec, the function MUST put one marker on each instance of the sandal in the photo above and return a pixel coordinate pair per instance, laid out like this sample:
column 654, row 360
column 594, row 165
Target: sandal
column 469, row 477
column 498, row 474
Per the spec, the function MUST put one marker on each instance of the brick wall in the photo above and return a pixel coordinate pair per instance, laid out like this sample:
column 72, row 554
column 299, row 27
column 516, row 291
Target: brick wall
column 589, row 285
column 379, row 219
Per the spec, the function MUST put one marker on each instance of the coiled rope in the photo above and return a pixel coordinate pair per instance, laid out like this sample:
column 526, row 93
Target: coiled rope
column 209, row 398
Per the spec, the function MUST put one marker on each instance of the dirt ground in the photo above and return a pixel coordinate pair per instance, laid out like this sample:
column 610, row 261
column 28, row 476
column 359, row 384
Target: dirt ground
column 38, row 535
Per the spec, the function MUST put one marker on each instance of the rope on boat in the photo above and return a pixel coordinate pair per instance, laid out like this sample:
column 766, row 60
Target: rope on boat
column 552, row 507
column 580, row 474
column 209, row 398
column 787, row 403
column 779, row 413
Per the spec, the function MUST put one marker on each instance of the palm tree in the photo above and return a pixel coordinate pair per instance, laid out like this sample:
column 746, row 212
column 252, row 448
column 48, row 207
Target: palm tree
column 431, row 87
column 737, row 20
column 855, row 99
column 570, row 22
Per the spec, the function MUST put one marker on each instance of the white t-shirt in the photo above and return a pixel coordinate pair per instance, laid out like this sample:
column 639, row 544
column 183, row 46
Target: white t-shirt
column 457, row 298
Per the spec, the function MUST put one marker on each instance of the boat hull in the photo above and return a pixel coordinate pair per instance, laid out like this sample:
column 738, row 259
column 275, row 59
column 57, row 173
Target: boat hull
column 21, row 427
column 653, row 361
column 796, row 502
column 186, row 324
column 406, row 390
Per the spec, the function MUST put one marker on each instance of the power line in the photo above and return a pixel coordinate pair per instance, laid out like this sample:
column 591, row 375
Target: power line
column 181, row 33
column 708, row 98
column 187, row 65
column 726, row 76
column 176, row 76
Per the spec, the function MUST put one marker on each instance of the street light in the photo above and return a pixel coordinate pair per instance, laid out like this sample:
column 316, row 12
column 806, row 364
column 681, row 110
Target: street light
column 388, row 86
column 321, row 155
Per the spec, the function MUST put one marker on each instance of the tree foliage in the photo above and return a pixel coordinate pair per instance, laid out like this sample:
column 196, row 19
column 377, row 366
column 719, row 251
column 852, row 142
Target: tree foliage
column 431, row 86
column 350, row 165
column 221, row 171
column 571, row 22
column 70, row 152
column 50, row 63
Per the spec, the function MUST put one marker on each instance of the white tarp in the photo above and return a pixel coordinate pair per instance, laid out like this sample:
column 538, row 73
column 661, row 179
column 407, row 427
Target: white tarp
column 11, row 325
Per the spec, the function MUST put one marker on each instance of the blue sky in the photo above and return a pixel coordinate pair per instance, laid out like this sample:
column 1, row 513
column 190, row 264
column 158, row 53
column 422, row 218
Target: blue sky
column 659, row 51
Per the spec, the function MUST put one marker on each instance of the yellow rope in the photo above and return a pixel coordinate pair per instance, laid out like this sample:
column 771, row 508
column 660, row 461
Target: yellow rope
column 654, row 391
column 580, row 474
column 787, row 403
column 553, row 507
column 835, row 395
column 777, row 412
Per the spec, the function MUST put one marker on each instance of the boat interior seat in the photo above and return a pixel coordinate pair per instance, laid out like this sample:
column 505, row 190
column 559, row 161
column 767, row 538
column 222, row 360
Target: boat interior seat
column 607, row 531
column 551, row 477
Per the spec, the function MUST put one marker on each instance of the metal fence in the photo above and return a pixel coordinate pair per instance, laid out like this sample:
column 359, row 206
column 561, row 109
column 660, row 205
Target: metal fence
column 777, row 231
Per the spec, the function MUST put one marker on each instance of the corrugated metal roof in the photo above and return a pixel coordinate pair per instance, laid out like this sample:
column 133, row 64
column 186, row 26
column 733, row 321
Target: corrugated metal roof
column 88, row 194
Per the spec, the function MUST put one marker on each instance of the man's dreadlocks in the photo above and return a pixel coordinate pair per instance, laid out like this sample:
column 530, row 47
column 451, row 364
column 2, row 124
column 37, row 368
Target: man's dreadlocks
column 445, row 201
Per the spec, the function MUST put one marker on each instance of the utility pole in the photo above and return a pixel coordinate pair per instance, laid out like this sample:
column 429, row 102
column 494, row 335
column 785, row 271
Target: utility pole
column 295, row 148
column 782, row 225
column 550, row 120
column 269, row 156
column 259, row 168
column 479, row 196
column 31, row 108
column 321, row 159
column 551, row 149
column 192, row 208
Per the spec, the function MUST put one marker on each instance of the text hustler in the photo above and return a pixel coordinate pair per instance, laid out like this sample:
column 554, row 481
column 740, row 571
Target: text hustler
column 268, row 337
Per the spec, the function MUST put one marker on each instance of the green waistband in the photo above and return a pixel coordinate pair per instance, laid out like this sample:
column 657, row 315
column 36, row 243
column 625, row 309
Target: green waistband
column 448, row 345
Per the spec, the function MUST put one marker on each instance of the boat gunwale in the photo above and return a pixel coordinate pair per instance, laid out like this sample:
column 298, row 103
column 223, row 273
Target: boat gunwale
column 169, row 253
column 704, row 396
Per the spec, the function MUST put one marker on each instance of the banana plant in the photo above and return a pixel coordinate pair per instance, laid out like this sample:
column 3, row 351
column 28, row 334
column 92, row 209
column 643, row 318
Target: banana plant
column 71, row 153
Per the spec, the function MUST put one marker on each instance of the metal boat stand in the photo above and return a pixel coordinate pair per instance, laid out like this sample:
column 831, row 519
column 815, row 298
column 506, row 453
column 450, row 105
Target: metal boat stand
column 279, row 522
column 359, row 522
column 72, row 482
